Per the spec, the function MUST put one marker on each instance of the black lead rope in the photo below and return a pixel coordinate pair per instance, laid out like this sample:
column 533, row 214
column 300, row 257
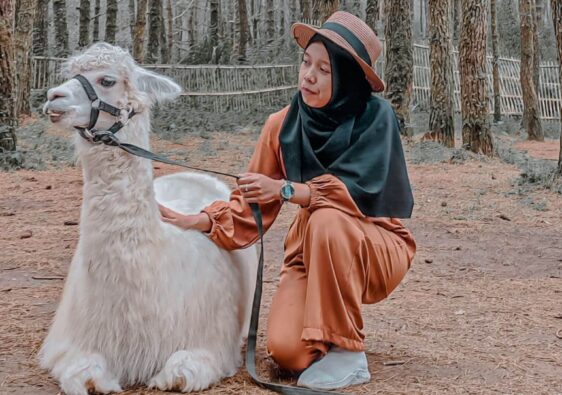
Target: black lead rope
column 108, row 138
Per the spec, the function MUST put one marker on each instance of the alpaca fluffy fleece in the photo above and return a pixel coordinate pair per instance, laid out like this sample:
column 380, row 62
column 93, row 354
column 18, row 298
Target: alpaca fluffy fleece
column 144, row 302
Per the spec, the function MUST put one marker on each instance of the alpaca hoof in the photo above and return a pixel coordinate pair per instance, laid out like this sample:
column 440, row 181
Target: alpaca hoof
column 186, row 371
column 88, row 374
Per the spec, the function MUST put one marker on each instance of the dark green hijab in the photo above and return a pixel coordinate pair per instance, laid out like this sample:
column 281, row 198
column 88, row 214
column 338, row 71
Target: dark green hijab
column 354, row 137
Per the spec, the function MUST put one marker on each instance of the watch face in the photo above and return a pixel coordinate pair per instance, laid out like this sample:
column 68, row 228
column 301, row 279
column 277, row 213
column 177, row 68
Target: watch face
column 287, row 191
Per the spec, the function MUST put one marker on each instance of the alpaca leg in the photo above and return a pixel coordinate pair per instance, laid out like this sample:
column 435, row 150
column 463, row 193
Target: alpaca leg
column 80, row 373
column 187, row 371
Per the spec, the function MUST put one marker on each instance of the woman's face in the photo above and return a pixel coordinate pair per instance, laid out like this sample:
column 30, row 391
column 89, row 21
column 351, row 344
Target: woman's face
column 315, row 76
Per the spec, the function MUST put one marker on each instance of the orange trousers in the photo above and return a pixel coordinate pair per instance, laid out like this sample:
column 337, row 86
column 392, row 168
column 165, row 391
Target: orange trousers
column 333, row 264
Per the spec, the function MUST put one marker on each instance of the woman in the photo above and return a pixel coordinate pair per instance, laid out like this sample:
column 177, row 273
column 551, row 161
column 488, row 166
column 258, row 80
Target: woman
column 336, row 152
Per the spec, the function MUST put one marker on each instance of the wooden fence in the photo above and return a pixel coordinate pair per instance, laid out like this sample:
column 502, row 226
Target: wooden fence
column 510, row 88
column 218, row 86
column 247, row 87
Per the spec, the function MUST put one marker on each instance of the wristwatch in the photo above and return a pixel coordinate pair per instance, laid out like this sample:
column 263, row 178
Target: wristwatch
column 287, row 191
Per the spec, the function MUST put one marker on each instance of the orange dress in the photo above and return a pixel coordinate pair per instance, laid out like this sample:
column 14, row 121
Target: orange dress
column 335, row 260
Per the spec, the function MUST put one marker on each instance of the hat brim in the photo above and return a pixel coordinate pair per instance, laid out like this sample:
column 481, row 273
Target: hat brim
column 303, row 33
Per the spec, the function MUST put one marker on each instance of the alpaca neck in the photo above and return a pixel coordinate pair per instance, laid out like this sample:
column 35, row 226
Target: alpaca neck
column 118, row 187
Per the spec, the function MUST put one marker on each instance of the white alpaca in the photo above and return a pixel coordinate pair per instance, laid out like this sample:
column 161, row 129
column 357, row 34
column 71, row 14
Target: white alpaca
column 144, row 302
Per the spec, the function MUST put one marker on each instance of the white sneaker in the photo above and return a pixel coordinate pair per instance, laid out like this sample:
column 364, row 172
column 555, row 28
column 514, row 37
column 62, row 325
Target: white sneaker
column 338, row 369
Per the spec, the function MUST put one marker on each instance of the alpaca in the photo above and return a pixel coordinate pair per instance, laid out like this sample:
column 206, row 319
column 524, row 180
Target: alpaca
column 144, row 302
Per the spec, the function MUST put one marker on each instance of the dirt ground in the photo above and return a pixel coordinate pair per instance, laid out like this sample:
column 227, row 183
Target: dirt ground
column 480, row 311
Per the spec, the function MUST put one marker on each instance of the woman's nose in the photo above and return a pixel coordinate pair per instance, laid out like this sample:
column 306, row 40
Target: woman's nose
column 55, row 93
column 309, row 77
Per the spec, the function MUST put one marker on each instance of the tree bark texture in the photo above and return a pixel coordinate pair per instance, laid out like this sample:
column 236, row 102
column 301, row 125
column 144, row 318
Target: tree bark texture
column 111, row 21
column 84, row 30
column 214, row 30
column 556, row 9
column 457, row 18
column 140, row 27
column 96, row 27
column 132, row 17
column 538, row 10
column 399, row 65
column 305, row 9
column 324, row 8
column 242, row 33
column 441, row 124
column 154, row 26
column 531, row 121
column 61, row 28
column 7, row 77
column 192, row 27
column 476, row 133
column 23, row 41
column 40, row 29
column 170, row 30
column 164, row 54
column 495, row 62
column 269, row 21
column 372, row 14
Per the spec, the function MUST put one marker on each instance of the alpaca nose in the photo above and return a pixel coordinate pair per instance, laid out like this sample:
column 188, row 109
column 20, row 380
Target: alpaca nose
column 55, row 93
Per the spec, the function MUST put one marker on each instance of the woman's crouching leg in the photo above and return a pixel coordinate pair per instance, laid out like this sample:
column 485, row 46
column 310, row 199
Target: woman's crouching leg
column 285, row 324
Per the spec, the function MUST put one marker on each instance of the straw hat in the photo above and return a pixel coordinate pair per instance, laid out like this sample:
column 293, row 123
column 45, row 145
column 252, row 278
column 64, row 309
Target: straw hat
column 353, row 35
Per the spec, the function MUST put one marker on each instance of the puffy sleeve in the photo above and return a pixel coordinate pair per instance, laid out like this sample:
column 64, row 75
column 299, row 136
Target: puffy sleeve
column 233, row 224
column 328, row 191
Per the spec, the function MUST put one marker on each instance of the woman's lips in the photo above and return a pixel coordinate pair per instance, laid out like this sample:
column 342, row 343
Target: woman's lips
column 307, row 91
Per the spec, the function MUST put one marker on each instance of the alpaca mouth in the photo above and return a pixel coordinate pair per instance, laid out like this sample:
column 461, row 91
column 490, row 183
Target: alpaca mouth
column 54, row 115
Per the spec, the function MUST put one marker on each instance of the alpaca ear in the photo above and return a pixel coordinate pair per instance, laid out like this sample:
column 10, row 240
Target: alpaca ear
column 157, row 87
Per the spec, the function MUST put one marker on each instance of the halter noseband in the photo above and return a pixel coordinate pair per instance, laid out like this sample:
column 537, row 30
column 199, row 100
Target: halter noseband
column 89, row 133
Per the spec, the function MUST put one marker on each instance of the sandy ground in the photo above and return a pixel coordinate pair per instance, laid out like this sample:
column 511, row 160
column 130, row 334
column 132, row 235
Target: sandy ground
column 479, row 312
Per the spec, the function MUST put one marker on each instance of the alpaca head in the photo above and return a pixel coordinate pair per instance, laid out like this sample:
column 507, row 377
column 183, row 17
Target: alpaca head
column 116, row 79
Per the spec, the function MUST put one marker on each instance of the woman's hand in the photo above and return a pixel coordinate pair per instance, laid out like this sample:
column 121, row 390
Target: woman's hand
column 257, row 188
column 200, row 221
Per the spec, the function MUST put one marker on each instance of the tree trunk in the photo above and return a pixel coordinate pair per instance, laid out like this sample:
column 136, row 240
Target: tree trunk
column 170, row 20
column 457, row 18
column 531, row 117
column 537, row 29
column 96, row 27
column 7, row 78
column 191, row 28
column 40, row 29
column 23, row 40
column 242, row 33
column 269, row 21
column 305, row 9
column 61, row 29
column 441, row 123
column 214, row 30
column 422, row 14
column 293, row 12
column 372, row 14
column 281, row 9
column 324, row 8
column 399, row 65
column 154, row 26
column 132, row 17
column 164, row 54
column 84, row 30
column 111, row 21
column 556, row 9
column 476, row 133
column 140, row 26
column 495, row 62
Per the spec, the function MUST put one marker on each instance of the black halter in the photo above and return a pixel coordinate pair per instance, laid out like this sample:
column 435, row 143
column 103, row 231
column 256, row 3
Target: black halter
column 89, row 133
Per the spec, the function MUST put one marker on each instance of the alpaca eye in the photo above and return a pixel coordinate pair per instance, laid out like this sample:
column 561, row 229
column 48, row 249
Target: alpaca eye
column 107, row 82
